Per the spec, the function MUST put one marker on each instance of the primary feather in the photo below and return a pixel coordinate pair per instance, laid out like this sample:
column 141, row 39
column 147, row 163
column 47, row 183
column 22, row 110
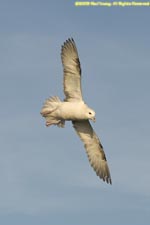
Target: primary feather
column 72, row 71
column 93, row 148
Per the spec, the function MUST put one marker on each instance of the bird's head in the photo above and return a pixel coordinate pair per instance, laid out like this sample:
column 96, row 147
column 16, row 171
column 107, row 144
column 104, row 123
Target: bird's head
column 91, row 115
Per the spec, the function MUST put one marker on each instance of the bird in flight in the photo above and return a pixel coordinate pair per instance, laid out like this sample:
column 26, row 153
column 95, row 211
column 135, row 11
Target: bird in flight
column 74, row 109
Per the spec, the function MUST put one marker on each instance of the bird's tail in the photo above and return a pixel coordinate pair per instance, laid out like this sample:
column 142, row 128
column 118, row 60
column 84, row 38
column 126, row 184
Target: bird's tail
column 51, row 105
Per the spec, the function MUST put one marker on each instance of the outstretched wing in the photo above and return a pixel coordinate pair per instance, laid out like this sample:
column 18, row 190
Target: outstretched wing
column 93, row 148
column 72, row 71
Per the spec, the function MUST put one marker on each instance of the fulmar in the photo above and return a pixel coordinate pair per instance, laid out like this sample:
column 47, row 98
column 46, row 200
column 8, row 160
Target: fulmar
column 74, row 109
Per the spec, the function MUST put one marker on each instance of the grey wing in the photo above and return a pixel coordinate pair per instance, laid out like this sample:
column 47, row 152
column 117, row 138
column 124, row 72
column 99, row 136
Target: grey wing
column 93, row 148
column 72, row 71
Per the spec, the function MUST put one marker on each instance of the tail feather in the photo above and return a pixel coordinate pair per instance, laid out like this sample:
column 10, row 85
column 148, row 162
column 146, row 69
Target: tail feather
column 50, row 121
column 50, row 105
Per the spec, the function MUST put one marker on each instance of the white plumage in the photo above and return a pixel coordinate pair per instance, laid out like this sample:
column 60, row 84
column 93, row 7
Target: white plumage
column 74, row 109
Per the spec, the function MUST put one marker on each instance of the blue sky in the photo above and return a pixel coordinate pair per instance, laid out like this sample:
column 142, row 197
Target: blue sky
column 45, row 175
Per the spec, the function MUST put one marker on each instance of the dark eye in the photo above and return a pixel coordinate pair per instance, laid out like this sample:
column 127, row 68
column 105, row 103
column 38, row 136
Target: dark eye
column 90, row 113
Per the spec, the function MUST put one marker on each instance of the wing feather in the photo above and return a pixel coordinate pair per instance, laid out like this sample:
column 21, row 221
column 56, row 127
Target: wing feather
column 72, row 71
column 93, row 148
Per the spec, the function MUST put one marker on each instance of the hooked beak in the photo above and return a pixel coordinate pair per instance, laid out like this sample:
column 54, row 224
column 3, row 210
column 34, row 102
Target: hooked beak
column 93, row 119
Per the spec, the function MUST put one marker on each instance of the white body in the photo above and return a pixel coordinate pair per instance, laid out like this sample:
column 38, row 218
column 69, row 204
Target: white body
column 71, row 111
